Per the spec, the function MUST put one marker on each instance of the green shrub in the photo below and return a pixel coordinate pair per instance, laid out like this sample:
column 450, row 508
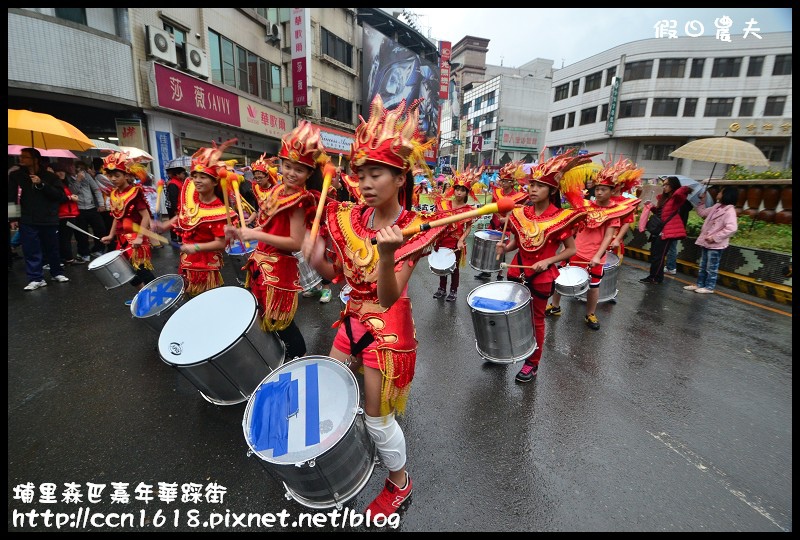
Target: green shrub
column 738, row 172
column 758, row 235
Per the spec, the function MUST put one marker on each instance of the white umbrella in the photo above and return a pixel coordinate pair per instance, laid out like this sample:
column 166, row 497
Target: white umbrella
column 136, row 154
column 104, row 145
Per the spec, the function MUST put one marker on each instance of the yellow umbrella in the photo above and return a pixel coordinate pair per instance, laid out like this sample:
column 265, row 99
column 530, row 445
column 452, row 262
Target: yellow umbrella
column 39, row 130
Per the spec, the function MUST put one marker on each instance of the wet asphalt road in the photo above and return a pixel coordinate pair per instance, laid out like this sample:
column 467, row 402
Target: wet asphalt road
column 674, row 416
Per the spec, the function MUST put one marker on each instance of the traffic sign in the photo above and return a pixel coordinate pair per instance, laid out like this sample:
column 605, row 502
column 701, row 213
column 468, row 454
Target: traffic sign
column 456, row 142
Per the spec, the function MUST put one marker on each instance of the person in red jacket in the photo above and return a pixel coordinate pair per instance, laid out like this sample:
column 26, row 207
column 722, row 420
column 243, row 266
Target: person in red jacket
column 67, row 213
column 668, row 204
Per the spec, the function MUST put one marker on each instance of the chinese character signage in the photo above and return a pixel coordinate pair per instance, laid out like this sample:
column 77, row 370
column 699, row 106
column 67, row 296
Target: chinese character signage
column 612, row 106
column 522, row 139
column 444, row 69
column 263, row 120
column 300, row 29
column 130, row 133
column 183, row 93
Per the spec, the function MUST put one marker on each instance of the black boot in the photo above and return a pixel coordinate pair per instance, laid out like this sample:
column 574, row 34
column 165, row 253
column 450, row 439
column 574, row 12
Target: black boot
column 439, row 293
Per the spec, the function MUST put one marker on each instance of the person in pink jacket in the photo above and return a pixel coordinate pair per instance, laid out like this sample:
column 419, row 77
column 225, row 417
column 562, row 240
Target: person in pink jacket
column 668, row 206
column 720, row 224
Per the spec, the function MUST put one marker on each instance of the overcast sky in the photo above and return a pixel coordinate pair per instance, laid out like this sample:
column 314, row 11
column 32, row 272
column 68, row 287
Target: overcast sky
column 571, row 34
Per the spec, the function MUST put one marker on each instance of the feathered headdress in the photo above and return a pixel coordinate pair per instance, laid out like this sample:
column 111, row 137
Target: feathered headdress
column 622, row 173
column 209, row 160
column 469, row 179
column 268, row 166
column 304, row 145
column 390, row 137
column 513, row 170
column 553, row 172
column 121, row 161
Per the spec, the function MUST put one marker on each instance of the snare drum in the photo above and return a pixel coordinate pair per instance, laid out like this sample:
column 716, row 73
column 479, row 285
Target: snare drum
column 305, row 423
column 608, row 286
column 112, row 269
column 501, row 317
column 484, row 253
column 308, row 276
column 572, row 281
column 239, row 253
column 227, row 363
column 155, row 303
column 442, row 262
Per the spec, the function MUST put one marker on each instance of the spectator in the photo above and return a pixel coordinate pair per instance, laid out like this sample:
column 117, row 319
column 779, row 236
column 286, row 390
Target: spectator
column 719, row 226
column 668, row 205
column 67, row 213
column 671, row 266
column 90, row 200
column 105, row 186
column 40, row 194
column 177, row 176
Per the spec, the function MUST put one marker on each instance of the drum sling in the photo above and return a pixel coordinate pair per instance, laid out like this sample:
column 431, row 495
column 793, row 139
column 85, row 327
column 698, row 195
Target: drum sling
column 363, row 343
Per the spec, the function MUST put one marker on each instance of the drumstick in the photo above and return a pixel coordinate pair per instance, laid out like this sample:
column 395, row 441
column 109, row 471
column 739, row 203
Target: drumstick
column 159, row 190
column 326, row 183
column 147, row 232
column 223, row 182
column 238, row 201
column 73, row 226
column 502, row 237
column 503, row 205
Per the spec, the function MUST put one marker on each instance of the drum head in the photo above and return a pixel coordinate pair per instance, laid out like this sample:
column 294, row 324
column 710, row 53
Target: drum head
column 344, row 294
column 301, row 410
column 611, row 260
column 498, row 297
column 104, row 259
column 572, row 276
column 207, row 325
column 240, row 248
column 157, row 296
column 490, row 235
column 442, row 259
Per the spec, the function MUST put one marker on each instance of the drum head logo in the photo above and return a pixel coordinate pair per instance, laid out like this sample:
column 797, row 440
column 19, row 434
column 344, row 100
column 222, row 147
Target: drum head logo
column 176, row 348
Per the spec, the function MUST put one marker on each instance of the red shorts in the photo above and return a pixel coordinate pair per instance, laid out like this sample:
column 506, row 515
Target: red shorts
column 368, row 356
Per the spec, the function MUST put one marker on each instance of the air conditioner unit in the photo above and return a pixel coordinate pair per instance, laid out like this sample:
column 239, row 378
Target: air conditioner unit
column 196, row 60
column 273, row 32
column 161, row 45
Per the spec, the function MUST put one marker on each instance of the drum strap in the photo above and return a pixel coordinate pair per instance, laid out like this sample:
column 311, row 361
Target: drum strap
column 357, row 348
column 528, row 280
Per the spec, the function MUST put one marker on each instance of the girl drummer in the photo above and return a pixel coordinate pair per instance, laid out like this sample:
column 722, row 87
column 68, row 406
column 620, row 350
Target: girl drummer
column 283, row 217
column 201, row 221
column 131, row 214
column 454, row 235
column 538, row 230
column 376, row 328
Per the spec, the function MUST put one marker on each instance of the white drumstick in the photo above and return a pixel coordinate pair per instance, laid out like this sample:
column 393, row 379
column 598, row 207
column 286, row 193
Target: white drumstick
column 73, row 226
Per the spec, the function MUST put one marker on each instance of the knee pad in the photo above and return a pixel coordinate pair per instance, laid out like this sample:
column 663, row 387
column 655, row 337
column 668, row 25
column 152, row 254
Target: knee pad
column 389, row 440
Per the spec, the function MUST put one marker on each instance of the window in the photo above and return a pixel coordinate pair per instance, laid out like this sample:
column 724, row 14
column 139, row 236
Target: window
column 671, row 68
column 690, row 107
column 336, row 48
column 775, row 106
column 697, row 68
column 632, row 108
column 604, row 112
column 589, row 116
column 488, row 118
column 747, row 106
column 593, row 81
column 719, row 107
column 783, row 65
column 638, row 70
column 726, row 67
column 610, row 74
column 754, row 66
column 557, row 123
column 478, row 103
column 658, row 152
column 665, row 107
column 239, row 68
column 76, row 15
column 571, row 119
column 576, row 85
column 772, row 152
column 562, row 92
column 465, row 108
column 332, row 106
column 490, row 98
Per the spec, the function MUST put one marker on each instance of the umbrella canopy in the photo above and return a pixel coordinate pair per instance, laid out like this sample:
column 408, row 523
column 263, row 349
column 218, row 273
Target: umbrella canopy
column 16, row 149
column 183, row 161
column 104, row 145
column 722, row 150
column 39, row 130
column 697, row 187
column 136, row 154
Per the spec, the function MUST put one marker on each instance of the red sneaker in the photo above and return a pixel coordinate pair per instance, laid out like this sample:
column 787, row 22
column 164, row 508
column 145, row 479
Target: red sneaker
column 390, row 499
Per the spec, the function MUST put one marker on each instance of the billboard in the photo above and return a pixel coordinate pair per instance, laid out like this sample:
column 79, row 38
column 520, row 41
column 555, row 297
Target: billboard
column 397, row 73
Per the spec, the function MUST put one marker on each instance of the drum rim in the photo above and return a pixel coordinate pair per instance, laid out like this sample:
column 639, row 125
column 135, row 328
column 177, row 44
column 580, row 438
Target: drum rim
column 166, row 307
column 512, row 284
column 287, row 366
column 94, row 264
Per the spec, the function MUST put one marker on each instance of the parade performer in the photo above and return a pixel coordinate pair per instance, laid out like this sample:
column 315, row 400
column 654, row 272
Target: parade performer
column 510, row 175
column 200, row 222
column 537, row 231
column 376, row 328
column 283, row 218
column 454, row 235
column 130, row 211
column 265, row 177
column 602, row 224
column 628, row 181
